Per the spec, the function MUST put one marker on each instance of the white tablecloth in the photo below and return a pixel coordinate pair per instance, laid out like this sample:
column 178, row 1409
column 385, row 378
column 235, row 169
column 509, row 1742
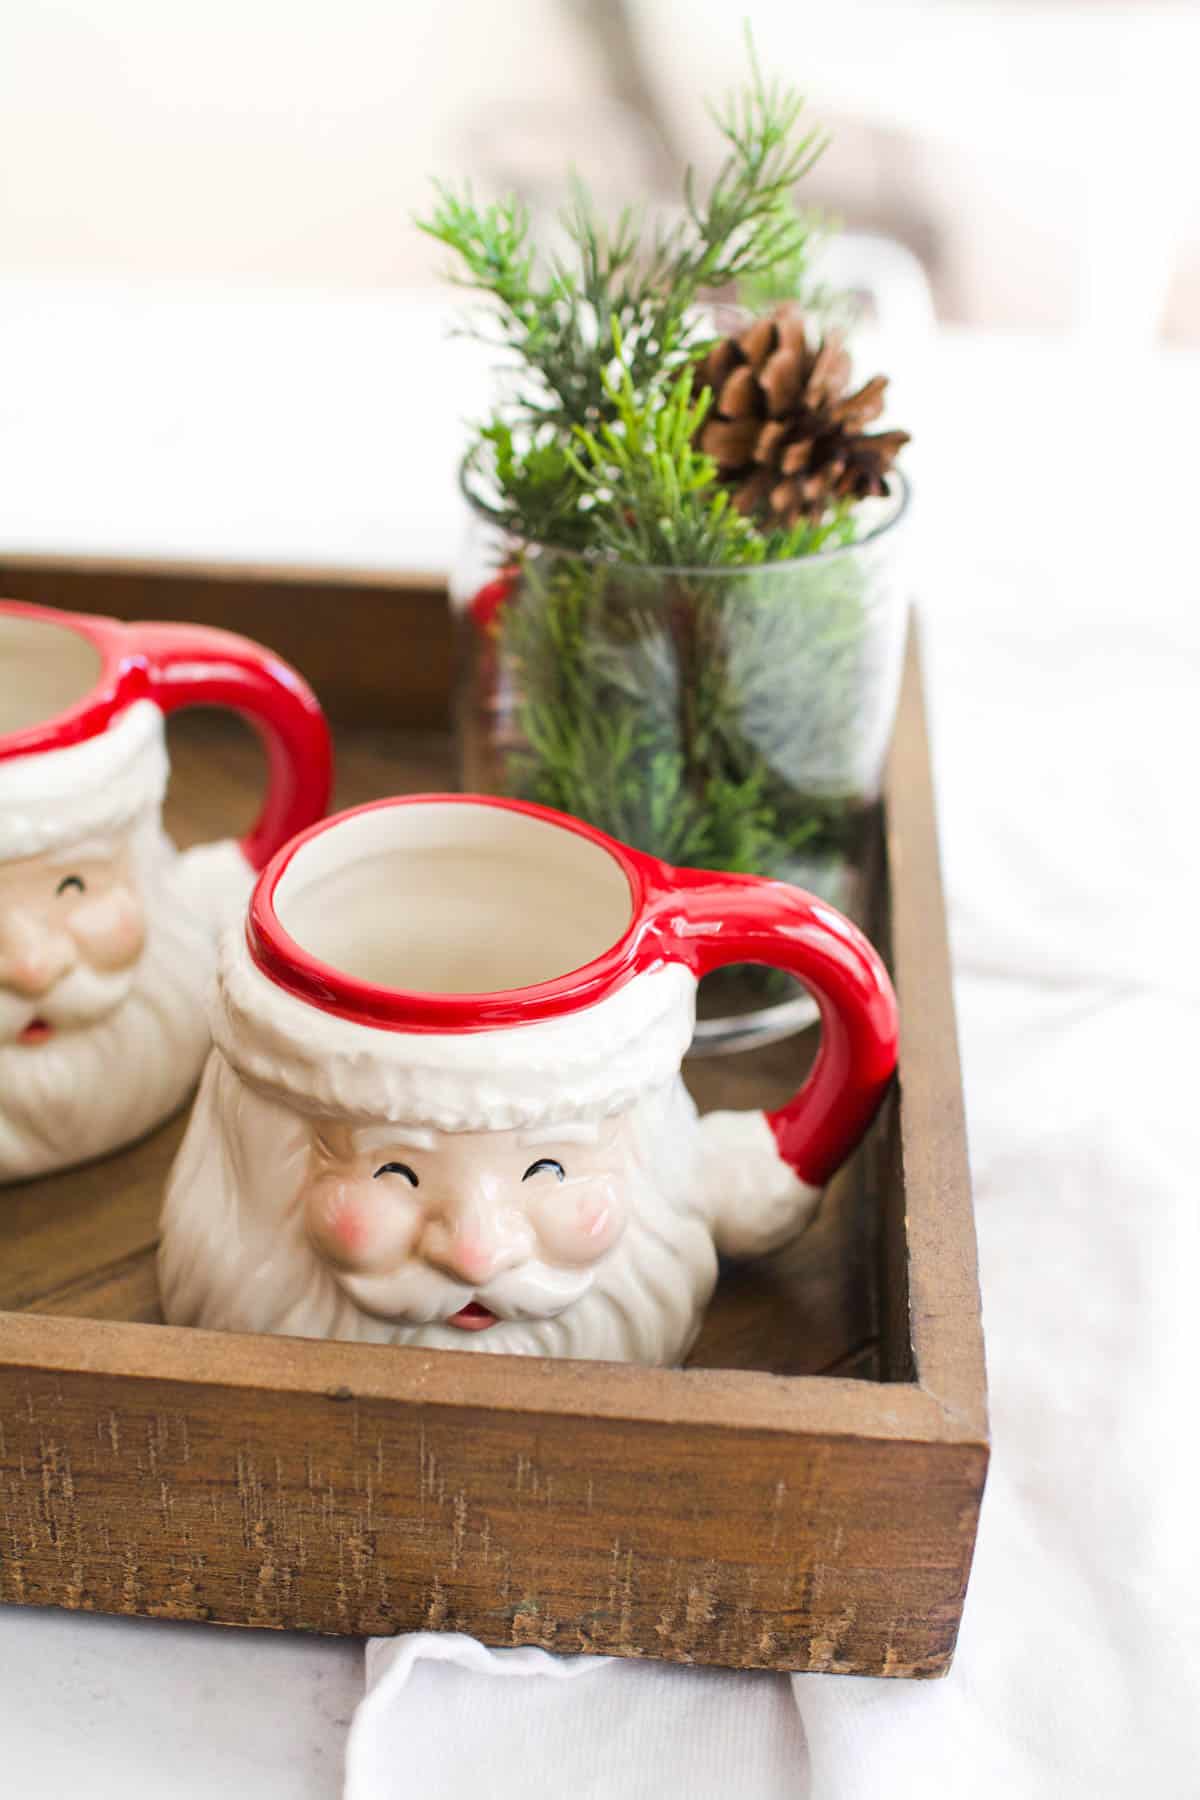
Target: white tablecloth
column 1064, row 653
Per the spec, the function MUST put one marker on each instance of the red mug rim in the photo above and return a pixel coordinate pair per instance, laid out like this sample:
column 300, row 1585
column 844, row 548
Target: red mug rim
column 123, row 677
column 286, row 963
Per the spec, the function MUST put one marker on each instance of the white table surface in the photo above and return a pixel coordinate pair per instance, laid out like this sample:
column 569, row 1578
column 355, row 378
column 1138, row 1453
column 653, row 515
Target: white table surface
column 106, row 1708
column 1055, row 506
column 248, row 426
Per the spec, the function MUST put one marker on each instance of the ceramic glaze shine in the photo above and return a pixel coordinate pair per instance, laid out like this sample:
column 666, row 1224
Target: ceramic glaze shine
column 445, row 1105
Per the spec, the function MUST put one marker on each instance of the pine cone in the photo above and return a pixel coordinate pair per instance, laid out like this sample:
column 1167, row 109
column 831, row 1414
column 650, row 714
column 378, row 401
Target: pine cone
column 786, row 436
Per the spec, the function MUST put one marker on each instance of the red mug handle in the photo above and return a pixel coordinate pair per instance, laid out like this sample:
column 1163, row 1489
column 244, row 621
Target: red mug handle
column 707, row 921
column 198, row 665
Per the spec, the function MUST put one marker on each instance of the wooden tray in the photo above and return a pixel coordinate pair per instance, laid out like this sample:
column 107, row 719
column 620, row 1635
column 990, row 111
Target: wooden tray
column 804, row 1495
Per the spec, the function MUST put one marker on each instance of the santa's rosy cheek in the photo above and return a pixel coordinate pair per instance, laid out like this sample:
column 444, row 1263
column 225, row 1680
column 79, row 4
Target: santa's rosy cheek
column 583, row 1225
column 332, row 1217
column 354, row 1226
column 594, row 1221
column 351, row 1228
column 109, row 928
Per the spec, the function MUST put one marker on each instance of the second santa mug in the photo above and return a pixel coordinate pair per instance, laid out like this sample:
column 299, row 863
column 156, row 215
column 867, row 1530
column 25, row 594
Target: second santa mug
column 445, row 1108
column 107, row 932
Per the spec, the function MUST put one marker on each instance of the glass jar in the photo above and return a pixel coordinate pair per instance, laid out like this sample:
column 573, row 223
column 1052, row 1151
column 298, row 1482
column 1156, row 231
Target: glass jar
column 732, row 718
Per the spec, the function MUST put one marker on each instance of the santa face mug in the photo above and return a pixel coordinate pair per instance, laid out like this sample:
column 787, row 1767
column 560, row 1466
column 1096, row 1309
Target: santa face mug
column 107, row 933
column 445, row 1106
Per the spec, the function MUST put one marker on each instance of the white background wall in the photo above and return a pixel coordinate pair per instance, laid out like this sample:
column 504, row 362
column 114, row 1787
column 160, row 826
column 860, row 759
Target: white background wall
column 1037, row 154
column 278, row 139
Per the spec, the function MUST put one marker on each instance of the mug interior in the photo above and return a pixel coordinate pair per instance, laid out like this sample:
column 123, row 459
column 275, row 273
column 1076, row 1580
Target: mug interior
column 452, row 898
column 45, row 669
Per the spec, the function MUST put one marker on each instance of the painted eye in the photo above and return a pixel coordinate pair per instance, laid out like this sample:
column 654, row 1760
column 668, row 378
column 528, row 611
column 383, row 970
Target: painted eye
column 397, row 1169
column 70, row 881
column 545, row 1162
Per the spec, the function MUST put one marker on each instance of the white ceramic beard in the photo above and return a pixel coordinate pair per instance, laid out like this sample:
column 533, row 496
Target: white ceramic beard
column 110, row 1079
column 236, row 1256
column 237, row 1186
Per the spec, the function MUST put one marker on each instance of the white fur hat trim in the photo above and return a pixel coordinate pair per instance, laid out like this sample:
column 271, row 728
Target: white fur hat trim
column 593, row 1062
column 58, row 798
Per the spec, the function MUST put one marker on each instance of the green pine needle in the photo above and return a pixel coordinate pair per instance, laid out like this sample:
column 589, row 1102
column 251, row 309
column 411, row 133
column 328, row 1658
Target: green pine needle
column 540, row 459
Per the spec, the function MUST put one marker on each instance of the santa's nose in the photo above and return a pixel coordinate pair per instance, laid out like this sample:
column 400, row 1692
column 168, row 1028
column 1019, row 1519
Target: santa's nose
column 33, row 955
column 475, row 1246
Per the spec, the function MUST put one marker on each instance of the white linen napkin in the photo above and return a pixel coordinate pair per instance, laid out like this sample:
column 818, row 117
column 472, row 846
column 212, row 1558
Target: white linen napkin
column 444, row 1716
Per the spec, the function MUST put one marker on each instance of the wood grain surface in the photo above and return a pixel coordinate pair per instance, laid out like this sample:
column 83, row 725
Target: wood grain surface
column 804, row 1495
column 377, row 645
column 352, row 1492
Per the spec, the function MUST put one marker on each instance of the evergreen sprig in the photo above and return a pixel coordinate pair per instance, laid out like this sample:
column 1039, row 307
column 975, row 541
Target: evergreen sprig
column 712, row 717
column 651, row 496
column 636, row 488
column 557, row 318
column 650, row 491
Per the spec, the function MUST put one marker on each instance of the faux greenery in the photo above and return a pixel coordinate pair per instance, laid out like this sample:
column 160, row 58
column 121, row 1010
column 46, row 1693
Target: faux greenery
column 625, row 313
column 689, row 679
column 664, row 707
column 651, row 496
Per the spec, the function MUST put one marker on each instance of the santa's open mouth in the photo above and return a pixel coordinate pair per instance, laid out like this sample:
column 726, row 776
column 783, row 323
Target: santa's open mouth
column 36, row 1032
column 472, row 1317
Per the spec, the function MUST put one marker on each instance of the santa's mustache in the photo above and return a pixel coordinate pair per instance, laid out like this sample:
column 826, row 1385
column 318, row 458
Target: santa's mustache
column 82, row 996
column 420, row 1295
